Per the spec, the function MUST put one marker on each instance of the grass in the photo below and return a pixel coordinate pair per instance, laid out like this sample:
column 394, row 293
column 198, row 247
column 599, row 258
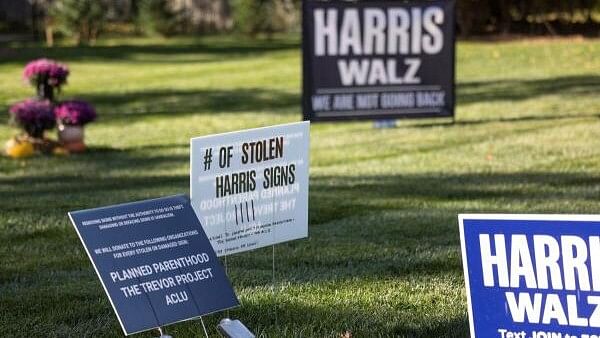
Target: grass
column 383, row 256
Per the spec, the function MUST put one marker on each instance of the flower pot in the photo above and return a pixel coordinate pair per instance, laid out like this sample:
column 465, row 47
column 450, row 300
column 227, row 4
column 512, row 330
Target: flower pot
column 75, row 147
column 72, row 138
column 67, row 134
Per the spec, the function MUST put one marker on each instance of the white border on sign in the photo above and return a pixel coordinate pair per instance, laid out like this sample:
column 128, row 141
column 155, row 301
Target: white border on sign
column 514, row 217
column 251, row 129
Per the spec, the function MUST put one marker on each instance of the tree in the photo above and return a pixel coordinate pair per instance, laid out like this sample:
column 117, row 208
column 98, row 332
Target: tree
column 263, row 16
column 157, row 17
column 81, row 19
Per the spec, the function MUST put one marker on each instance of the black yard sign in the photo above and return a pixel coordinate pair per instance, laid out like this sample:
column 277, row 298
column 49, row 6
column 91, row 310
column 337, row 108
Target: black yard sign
column 378, row 59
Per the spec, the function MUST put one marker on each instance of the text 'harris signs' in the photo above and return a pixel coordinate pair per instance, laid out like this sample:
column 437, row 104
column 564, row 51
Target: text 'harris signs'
column 256, row 152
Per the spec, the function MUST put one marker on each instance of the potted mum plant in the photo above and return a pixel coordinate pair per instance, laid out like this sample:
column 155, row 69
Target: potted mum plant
column 72, row 116
column 34, row 117
column 47, row 76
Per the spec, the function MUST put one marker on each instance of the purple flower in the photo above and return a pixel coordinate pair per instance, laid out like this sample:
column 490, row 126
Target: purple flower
column 34, row 116
column 75, row 113
column 46, row 70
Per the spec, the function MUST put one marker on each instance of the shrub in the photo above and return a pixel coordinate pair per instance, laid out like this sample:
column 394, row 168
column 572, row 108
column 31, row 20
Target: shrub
column 81, row 19
column 263, row 16
column 156, row 17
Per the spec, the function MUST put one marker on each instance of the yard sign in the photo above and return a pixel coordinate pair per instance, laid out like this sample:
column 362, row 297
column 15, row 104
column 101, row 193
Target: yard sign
column 250, row 188
column 154, row 262
column 532, row 276
column 377, row 59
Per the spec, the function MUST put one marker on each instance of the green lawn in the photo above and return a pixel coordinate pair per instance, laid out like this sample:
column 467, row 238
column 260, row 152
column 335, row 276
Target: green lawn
column 383, row 253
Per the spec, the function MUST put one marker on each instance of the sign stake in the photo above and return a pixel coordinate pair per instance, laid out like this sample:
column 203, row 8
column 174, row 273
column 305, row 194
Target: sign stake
column 204, row 326
column 226, row 274
column 273, row 262
column 162, row 334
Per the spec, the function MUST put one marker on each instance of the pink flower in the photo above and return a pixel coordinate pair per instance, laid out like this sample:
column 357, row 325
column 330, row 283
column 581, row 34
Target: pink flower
column 46, row 70
column 34, row 116
column 77, row 113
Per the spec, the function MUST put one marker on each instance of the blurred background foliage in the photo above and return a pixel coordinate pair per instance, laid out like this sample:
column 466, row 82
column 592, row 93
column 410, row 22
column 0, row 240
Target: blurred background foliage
column 84, row 20
column 81, row 19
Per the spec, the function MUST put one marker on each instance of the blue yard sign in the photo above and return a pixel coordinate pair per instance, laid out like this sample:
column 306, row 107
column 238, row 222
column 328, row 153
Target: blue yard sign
column 154, row 262
column 532, row 276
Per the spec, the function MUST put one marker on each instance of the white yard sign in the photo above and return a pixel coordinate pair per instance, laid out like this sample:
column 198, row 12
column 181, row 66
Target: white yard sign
column 250, row 188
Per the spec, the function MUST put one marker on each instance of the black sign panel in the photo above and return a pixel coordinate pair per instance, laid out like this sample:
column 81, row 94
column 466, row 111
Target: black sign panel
column 377, row 59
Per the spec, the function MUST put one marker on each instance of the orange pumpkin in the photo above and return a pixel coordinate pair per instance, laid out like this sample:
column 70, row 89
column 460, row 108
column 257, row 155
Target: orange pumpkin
column 19, row 148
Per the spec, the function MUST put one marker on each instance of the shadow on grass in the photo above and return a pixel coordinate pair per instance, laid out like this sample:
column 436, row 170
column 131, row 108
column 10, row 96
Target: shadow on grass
column 117, row 107
column 525, row 118
column 365, row 229
column 400, row 226
column 522, row 89
column 569, row 87
column 99, row 177
column 331, row 197
column 212, row 50
column 334, row 196
column 328, row 321
column 89, row 313
column 181, row 102
column 329, row 194
column 384, row 226
column 158, row 103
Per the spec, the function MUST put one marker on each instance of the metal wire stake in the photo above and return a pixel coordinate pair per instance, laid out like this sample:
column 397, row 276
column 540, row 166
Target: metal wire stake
column 162, row 334
column 203, row 326
column 273, row 286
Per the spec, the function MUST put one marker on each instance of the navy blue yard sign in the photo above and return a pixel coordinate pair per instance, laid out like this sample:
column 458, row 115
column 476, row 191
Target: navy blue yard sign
column 154, row 262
